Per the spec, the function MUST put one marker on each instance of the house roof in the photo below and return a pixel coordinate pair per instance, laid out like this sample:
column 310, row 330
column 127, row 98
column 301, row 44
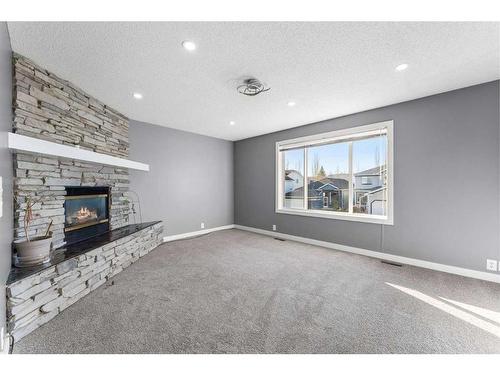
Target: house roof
column 371, row 172
column 325, row 184
column 328, row 187
column 340, row 183
column 343, row 176
column 290, row 171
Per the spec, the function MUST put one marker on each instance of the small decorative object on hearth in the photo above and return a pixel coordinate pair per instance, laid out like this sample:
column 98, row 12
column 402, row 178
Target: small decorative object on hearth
column 252, row 86
column 33, row 250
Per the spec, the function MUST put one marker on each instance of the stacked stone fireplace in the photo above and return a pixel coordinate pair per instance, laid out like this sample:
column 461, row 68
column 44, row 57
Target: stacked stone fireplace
column 50, row 108
column 85, row 203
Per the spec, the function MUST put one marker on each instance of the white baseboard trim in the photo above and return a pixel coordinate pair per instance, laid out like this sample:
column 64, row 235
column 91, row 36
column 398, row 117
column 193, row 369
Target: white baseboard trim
column 375, row 254
column 181, row 236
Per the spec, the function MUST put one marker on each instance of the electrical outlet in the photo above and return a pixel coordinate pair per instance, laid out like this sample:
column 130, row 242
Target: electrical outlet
column 491, row 264
column 202, row 225
column 274, row 227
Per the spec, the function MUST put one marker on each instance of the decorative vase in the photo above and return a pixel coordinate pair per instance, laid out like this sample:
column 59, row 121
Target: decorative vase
column 33, row 252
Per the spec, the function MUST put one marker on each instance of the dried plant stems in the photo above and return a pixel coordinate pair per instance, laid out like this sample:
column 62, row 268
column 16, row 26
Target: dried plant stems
column 48, row 228
column 28, row 217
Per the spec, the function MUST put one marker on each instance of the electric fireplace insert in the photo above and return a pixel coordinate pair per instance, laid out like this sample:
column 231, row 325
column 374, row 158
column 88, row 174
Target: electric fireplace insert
column 86, row 211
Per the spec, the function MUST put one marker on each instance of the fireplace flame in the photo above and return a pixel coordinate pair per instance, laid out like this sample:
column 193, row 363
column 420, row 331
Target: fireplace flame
column 84, row 214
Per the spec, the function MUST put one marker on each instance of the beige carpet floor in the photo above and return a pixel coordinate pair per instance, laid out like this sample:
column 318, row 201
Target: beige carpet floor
column 239, row 292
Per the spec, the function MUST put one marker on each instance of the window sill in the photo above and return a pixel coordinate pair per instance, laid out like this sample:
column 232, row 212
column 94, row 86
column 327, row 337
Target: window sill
column 360, row 218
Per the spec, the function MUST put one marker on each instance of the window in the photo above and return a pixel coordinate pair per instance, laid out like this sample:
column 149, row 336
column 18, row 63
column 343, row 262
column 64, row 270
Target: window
column 345, row 174
column 293, row 178
column 327, row 187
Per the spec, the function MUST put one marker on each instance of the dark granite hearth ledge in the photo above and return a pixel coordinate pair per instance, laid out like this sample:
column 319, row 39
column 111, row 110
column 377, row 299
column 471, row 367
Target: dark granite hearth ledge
column 71, row 251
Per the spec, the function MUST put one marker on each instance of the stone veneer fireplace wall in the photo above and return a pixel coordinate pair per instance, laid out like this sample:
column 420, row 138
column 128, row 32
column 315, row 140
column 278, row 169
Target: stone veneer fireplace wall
column 50, row 108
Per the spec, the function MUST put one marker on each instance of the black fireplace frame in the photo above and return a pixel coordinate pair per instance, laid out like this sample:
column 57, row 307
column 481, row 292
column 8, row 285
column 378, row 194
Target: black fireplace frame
column 81, row 234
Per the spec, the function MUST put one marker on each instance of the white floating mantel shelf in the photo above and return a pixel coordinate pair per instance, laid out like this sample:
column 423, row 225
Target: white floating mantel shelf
column 29, row 144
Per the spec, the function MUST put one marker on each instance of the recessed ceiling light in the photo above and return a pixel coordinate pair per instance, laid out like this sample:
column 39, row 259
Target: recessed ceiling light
column 291, row 104
column 401, row 67
column 137, row 95
column 232, row 123
column 189, row 45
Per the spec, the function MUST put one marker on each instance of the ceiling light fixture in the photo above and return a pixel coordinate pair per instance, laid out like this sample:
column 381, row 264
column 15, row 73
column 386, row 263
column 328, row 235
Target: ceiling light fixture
column 189, row 45
column 137, row 95
column 252, row 87
column 401, row 67
column 291, row 104
column 232, row 123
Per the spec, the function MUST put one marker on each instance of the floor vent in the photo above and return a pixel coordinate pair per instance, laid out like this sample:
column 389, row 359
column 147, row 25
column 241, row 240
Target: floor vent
column 392, row 263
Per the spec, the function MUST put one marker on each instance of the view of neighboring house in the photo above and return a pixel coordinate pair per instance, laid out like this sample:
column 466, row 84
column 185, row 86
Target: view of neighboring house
column 294, row 189
column 293, row 180
column 328, row 193
column 370, row 187
column 332, row 192
column 323, row 193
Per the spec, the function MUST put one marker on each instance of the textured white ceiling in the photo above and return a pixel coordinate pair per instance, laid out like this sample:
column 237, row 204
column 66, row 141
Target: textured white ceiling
column 329, row 69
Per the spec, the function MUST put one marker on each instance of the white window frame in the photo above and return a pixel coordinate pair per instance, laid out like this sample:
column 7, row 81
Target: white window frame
column 335, row 136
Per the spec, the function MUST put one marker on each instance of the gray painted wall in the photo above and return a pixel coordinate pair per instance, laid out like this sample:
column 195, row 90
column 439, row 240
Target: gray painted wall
column 6, row 221
column 191, row 177
column 446, row 181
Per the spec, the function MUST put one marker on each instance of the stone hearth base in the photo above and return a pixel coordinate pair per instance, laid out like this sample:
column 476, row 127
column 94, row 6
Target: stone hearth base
column 38, row 298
